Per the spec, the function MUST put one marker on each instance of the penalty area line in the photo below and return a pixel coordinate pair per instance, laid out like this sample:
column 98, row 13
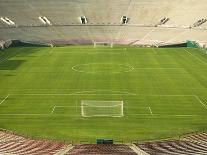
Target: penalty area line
column 126, row 115
column 163, row 115
column 53, row 110
column 4, row 99
column 199, row 100
column 157, row 68
column 150, row 111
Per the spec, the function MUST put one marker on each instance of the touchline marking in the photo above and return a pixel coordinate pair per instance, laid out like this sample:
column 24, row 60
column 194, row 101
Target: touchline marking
column 150, row 111
column 199, row 100
column 196, row 57
column 4, row 99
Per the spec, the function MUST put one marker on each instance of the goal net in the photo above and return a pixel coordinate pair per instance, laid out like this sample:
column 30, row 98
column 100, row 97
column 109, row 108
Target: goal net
column 102, row 108
column 103, row 44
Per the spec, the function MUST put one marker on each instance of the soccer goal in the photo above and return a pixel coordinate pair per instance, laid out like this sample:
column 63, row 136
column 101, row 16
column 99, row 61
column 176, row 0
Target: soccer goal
column 102, row 108
column 103, row 44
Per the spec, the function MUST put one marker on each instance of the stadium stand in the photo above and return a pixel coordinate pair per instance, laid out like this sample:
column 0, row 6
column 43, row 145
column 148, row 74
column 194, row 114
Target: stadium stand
column 112, row 149
column 198, row 138
column 188, row 145
column 104, row 21
column 11, row 143
column 180, row 15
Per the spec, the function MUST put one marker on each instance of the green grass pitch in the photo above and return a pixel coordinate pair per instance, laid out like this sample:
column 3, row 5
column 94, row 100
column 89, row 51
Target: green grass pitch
column 164, row 91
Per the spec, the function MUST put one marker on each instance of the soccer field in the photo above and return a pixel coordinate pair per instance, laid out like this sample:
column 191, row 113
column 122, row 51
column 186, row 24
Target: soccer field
column 164, row 91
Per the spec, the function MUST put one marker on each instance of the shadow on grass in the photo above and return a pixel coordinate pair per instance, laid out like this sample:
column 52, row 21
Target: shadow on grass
column 9, row 75
column 11, row 64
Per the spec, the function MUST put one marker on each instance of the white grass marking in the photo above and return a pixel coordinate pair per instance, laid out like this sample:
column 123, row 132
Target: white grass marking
column 25, row 114
column 74, row 68
column 196, row 57
column 112, row 49
column 103, row 90
column 150, row 111
column 67, row 106
column 53, row 110
column 154, row 51
column 156, row 115
column 76, row 108
column 161, row 68
column 51, row 51
column 199, row 100
column 86, row 93
column 91, row 52
column 4, row 99
column 90, row 94
column 163, row 115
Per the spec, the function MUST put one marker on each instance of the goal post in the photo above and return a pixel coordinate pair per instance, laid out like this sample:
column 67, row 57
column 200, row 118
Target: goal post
column 103, row 44
column 92, row 108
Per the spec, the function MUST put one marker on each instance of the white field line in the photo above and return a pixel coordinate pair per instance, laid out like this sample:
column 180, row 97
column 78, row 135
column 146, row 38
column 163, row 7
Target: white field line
column 67, row 106
column 130, row 68
column 111, row 92
column 162, row 115
column 76, row 108
column 86, row 94
column 25, row 114
column 156, row 115
column 161, row 68
column 53, row 110
column 92, row 52
column 150, row 111
column 199, row 100
column 4, row 99
column 69, row 94
column 51, row 51
column 154, row 51
column 196, row 57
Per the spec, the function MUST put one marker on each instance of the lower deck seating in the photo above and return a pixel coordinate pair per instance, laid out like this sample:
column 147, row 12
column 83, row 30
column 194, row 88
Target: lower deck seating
column 199, row 138
column 112, row 149
column 18, row 145
column 188, row 145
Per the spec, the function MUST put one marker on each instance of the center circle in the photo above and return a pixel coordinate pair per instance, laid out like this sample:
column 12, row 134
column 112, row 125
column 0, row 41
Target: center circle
column 102, row 68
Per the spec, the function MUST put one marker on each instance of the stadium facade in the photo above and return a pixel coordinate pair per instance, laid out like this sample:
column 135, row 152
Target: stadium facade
column 147, row 22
